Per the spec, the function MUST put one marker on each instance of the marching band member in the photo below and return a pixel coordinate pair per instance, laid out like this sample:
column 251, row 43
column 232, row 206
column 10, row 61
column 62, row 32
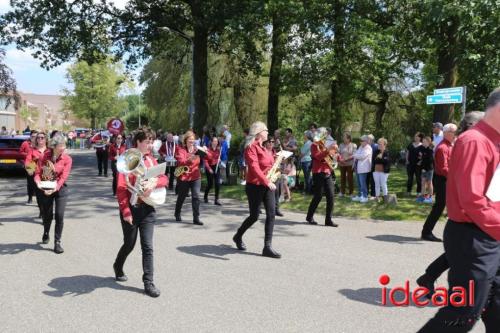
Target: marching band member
column 167, row 151
column 101, row 151
column 212, row 169
column 139, row 218
column 116, row 149
column 25, row 149
column 187, row 157
column 322, row 180
column 258, row 188
column 31, row 163
column 55, row 165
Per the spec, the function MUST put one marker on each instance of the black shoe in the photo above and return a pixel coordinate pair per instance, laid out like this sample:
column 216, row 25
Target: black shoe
column 119, row 275
column 205, row 199
column 217, row 203
column 239, row 242
column 30, row 201
column 58, row 248
column 270, row 253
column 431, row 238
column 311, row 221
column 278, row 213
column 425, row 281
column 331, row 224
column 197, row 222
column 151, row 290
column 45, row 238
column 178, row 218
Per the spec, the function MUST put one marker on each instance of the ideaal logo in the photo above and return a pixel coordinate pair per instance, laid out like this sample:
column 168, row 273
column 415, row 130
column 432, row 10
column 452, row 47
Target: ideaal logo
column 457, row 297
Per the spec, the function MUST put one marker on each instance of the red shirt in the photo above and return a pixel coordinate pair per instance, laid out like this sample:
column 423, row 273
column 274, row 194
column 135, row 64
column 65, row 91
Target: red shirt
column 62, row 167
column 475, row 158
column 123, row 194
column 183, row 158
column 318, row 160
column 212, row 158
column 114, row 151
column 259, row 161
column 442, row 158
column 34, row 155
column 25, row 147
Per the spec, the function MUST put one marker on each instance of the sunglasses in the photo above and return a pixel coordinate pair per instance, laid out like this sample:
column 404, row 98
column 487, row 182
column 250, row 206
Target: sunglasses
column 41, row 137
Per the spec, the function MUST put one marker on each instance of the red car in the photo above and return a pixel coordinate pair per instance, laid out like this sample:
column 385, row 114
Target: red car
column 10, row 156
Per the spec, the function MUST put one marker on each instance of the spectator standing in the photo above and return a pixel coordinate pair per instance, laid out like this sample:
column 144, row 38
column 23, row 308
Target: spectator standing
column 363, row 165
column 242, row 163
column 370, row 183
column 347, row 149
column 426, row 165
column 224, row 156
column 306, row 161
column 437, row 134
column 289, row 174
column 381, row 167
column 411, row 163
column 227, row 135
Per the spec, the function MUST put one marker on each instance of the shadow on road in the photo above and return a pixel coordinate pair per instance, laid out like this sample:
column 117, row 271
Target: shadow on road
column 373, row 296
column 15, row 248
column 84, row 284
column 24, row 219
column 213, row 251
column 396, row 239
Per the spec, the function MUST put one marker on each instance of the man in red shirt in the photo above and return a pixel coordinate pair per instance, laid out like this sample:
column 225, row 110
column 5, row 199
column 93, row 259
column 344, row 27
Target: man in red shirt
column 441, row 167
column 472, row 234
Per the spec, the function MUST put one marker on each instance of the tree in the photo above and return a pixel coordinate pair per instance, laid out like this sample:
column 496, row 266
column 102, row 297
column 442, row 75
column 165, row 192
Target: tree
column 95, row 93
column 7, row 82
column 88, row 30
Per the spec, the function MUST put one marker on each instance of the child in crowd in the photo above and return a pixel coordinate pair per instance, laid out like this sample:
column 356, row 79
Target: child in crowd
column 426, row 164
column 289, row 174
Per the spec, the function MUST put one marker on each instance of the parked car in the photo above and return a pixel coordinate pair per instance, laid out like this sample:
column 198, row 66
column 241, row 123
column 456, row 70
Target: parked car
column 10, row 156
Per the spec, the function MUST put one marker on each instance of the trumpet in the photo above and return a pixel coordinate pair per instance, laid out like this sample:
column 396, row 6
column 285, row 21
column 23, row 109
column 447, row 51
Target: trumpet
column 180, row 170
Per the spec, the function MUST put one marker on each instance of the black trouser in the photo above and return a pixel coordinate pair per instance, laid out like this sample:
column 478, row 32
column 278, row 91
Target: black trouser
column 144, row 218
column 47, row 209
column 256, row 195
column 169, row 171
column 182, row 190
column 213, row 180
column 31, row 185
column 472, row 255
column 102, row 161
column 413, row 171
column 439, row 204
column 115, row 176
column 437, row 267
column 370, row 184
column 322, row 182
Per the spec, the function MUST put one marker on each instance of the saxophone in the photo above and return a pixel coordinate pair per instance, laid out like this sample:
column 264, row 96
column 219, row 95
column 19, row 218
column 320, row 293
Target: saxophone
column 274, row 173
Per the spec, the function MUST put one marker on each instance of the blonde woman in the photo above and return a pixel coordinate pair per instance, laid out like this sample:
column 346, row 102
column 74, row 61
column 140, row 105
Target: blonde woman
column 258, row 188
column 381, row 167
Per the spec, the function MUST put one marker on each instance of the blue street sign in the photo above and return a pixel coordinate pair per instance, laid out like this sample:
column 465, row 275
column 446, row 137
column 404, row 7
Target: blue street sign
column 454, row 90
column 444, row 99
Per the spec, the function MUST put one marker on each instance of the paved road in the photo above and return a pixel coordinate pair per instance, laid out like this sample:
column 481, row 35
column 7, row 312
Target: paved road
column 327, row 280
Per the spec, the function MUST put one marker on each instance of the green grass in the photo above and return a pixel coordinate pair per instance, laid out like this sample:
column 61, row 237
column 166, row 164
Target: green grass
column 406, row 209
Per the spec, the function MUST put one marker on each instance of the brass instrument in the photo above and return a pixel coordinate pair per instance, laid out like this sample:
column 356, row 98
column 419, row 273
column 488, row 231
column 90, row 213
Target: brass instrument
column 274, row 173
column 131, row 162
column 31, row 168
column 320, row 139
column 180, row 170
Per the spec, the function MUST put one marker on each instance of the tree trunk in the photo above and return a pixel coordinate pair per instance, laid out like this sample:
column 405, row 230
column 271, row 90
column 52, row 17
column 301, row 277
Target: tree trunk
column 278, row 53
column 200, row 69
column 383, row 96
column 336, row 121
column 447, row 68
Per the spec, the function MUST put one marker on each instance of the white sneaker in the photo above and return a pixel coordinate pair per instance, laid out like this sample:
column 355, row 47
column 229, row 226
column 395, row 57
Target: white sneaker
column 243, row 182
column 355, row 198
column 363, row 200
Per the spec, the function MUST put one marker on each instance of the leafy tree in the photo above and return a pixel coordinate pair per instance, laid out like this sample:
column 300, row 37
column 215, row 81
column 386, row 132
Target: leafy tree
column 95, row 93
column 7, row 82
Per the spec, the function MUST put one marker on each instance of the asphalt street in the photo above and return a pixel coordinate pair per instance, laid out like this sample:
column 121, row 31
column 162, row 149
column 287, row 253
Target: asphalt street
column 327, row 280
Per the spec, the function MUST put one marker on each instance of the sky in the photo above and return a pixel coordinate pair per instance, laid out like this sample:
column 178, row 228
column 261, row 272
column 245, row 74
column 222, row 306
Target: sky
column 30, row 77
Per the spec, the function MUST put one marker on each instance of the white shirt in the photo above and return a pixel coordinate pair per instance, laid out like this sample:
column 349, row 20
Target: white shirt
column 363, row 157
column 228, row 137
column 437, row 138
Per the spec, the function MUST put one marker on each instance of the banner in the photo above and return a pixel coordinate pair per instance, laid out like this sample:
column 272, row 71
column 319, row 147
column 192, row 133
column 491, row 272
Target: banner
column 115, row 126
